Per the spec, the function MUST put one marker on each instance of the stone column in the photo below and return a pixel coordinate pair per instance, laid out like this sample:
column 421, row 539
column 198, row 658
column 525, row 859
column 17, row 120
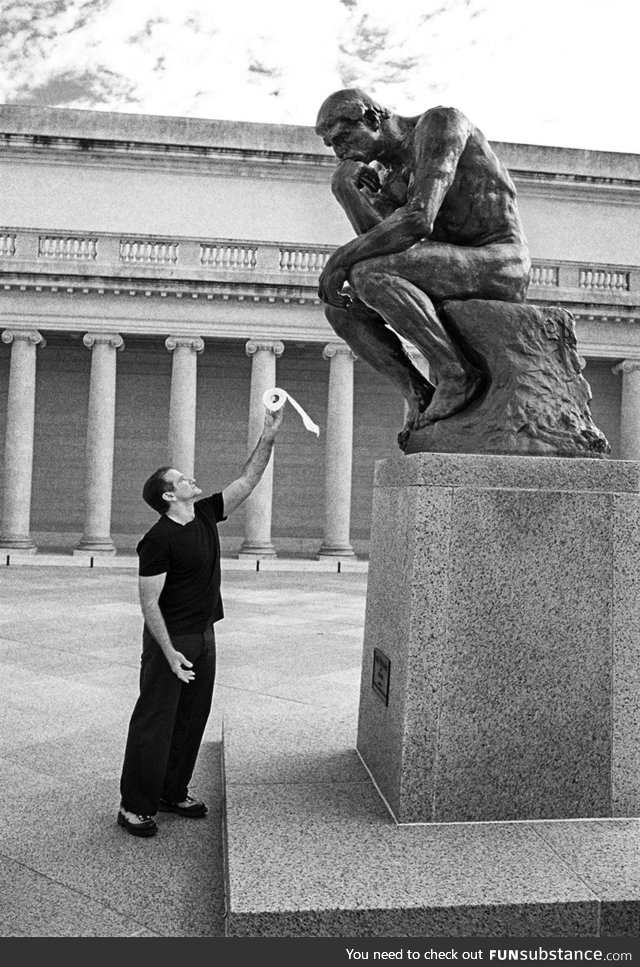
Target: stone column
column 101, row 418
column 630, row 409
column 257, row 539
column 339, row 452
column 18, row 451
column 182, row 405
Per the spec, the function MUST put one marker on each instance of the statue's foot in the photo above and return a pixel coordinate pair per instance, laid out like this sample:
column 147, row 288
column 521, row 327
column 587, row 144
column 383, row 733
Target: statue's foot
column 451, row 395
column 417, row 405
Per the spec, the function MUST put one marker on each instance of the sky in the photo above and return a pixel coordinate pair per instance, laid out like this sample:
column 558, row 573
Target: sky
column 551, row 72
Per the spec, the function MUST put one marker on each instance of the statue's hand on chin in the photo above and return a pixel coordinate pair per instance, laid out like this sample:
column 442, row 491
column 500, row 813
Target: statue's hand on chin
column 351, row 175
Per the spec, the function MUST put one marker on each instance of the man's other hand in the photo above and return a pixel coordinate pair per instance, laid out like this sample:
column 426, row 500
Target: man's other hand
column 176, row 663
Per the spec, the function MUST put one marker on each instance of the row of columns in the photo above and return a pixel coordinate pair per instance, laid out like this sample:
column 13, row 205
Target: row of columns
column 96, row 538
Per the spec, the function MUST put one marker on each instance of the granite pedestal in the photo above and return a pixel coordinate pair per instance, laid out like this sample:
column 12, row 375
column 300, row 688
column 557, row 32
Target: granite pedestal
column 501, row 663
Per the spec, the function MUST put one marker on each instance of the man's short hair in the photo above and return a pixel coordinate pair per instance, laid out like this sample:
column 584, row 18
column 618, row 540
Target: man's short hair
column 350, row 104
column 154, row 488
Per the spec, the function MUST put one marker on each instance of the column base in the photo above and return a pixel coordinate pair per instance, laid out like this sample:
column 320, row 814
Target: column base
column 336, row 551
column 23, row 545
column 95, row 545
column 257, row 550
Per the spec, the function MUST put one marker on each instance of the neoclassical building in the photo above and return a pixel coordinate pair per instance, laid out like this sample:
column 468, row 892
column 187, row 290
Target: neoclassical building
column 158, row 274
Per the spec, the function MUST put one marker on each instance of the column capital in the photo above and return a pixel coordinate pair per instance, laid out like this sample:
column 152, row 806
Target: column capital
column 24, row 335
column 194, row 343
column 270, row 345
column 112, row 339
column 337, row 349
column 627, row 366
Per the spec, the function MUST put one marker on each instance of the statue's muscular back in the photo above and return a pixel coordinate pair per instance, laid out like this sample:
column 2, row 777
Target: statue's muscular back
column 478, row 207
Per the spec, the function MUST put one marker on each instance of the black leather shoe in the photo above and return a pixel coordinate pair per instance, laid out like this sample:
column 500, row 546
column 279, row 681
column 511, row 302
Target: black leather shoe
column 188, row 807
column 137, row 825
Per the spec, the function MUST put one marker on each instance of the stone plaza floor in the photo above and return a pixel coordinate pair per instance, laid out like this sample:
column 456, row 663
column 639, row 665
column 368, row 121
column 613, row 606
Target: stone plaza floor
column 69, row 652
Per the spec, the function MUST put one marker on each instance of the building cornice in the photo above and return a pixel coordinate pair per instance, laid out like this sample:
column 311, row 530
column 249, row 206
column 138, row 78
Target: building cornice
column 238, row 163
column 586, row 190
column 127, row 288
column 234, row 162
column 105, row 138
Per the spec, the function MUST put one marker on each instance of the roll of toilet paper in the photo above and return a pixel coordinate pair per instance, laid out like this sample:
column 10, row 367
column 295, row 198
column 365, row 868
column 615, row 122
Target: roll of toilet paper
column 274, row 399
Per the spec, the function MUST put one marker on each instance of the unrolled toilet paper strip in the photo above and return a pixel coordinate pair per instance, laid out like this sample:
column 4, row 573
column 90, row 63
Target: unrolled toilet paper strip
column 274, row 399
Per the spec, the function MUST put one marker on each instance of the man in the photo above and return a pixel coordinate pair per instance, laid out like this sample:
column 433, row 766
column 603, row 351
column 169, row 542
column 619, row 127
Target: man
column 179, row 587
column 436, row 218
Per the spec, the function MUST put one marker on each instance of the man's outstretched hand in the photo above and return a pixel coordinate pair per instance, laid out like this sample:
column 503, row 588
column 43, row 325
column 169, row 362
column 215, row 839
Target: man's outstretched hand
column 272, row 421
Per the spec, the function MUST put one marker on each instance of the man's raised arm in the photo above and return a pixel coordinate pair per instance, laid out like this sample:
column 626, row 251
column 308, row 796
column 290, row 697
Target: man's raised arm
column 252, row 472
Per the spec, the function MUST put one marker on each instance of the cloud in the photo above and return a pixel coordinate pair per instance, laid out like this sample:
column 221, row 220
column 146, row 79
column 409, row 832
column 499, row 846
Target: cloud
column 559, row 72
column 72, row 87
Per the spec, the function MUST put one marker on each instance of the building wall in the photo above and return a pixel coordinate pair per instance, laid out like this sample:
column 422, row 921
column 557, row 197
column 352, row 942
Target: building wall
column 145, row 200
column 606, row 389
column 589, row 228
column 60, row 432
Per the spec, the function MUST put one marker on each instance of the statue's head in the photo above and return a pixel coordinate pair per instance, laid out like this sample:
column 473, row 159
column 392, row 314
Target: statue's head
column 350, row 104
column 350, row 116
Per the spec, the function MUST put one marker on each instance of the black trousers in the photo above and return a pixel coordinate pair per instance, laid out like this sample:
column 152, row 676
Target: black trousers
column 167, row 723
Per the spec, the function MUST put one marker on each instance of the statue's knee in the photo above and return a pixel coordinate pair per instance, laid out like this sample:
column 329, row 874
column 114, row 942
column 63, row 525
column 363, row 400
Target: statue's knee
column 358, row 276
column 365, row 279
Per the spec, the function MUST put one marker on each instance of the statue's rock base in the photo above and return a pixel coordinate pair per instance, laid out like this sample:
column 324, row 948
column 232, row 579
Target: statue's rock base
column 535, row 399
column 501, row 663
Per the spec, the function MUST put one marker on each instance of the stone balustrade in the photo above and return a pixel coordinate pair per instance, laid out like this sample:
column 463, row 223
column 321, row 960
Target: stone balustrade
column 542, row 274
column 303, row 259
column 34, row 253
column 606, row 279
column 151, row 252
column 7, row 244
column 228, row 256
column 67, row 247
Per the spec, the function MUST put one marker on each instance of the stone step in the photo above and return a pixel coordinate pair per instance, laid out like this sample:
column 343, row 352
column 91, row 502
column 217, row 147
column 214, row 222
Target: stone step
column 312, row 851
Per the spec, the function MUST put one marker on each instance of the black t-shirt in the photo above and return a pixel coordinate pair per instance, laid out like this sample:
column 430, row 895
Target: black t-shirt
column 190, row 555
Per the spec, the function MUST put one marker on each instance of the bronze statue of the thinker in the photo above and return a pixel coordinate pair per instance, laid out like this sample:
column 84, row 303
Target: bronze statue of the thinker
column 436, row 219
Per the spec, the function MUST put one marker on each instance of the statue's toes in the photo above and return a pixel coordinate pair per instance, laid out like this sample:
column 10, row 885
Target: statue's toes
column 423, row 419
column 403, row 438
